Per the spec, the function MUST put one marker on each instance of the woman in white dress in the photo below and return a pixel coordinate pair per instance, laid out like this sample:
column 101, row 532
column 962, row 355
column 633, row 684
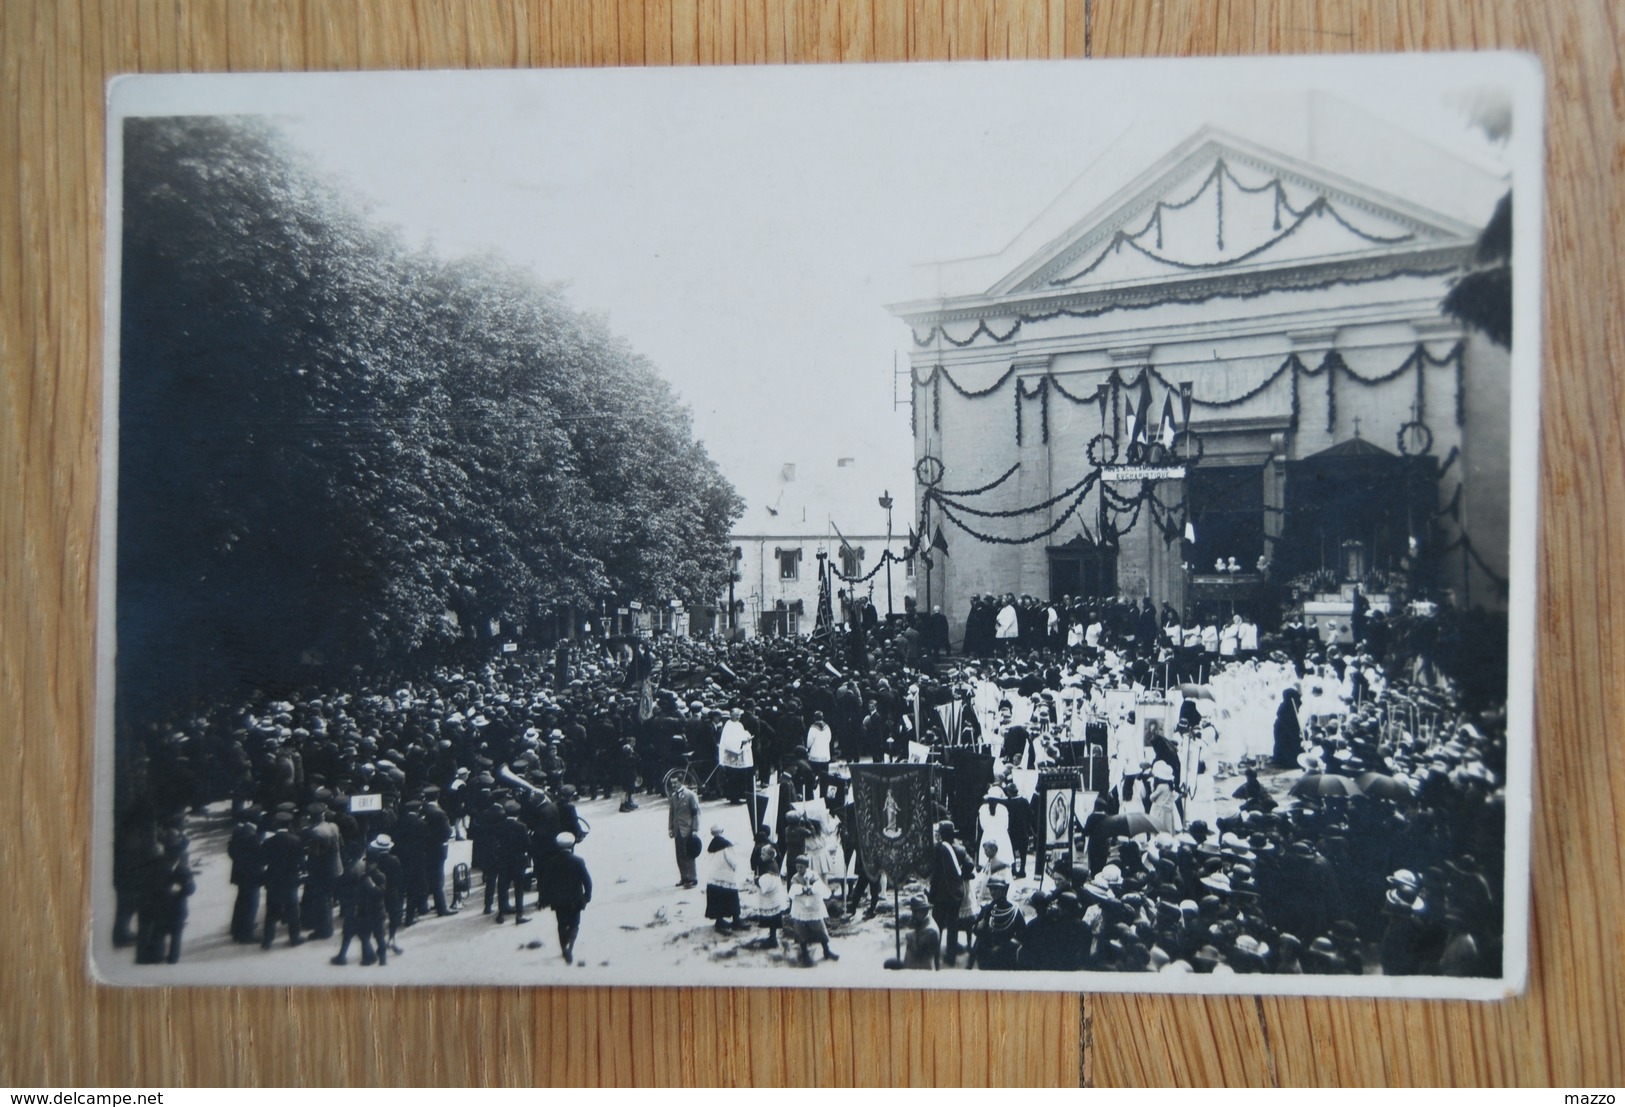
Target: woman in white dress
column 993, row 824
column 1164, row 801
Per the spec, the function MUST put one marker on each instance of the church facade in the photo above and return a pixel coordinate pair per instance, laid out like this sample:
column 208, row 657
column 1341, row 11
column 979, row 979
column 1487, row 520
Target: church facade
column 1228, row 384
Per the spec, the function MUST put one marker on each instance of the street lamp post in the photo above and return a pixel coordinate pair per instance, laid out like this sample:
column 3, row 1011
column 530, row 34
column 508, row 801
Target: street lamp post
column 733, row 575
column 885, row 502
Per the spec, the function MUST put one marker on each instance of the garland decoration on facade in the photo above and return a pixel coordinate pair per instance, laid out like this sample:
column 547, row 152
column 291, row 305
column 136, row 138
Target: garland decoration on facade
column 1465, row 544
column 1041, row 392
column 1319, row 206
column 988, row 487
column 1060, row 521
column 1298, row 370
column 1332, row 364
column 1096, row 451
column 1014, row 512
column 886, row 557
column 1331, row 368
column 1416, row 432
column 1182, row 296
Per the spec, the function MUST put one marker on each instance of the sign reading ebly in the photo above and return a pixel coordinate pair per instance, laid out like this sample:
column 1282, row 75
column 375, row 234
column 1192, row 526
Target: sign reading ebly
column 1143, row 472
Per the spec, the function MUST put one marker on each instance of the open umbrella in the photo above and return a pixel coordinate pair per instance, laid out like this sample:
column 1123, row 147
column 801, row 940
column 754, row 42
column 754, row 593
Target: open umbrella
column 1128, row 824
column 1325, row 784
column 1383, row 786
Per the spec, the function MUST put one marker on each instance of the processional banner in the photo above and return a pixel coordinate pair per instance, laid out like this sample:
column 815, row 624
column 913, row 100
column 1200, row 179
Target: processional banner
column 893, row 805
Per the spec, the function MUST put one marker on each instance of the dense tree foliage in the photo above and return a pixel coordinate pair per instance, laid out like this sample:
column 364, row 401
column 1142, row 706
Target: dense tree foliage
column 337, row 451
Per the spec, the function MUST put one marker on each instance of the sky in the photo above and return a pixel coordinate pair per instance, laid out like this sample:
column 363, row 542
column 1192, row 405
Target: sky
column 746, row 228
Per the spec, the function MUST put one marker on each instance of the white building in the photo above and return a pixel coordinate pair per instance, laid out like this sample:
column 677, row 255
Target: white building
column 829, row 506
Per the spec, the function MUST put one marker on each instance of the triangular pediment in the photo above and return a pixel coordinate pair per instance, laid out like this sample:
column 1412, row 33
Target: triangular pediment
column 1219, row 203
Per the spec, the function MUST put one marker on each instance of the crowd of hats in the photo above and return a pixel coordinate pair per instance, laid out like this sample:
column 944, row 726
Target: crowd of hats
column 1328, row 885
column 1399, row 869
column 574, row 718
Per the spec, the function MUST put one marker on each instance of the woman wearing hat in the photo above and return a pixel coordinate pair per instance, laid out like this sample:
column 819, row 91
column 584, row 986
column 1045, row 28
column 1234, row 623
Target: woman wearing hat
column 721, row 881
column 1164, row 800
column 993, row 823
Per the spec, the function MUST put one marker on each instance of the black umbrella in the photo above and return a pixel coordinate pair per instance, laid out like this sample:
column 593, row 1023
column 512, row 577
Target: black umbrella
column 1128, row 824
column 1383, row 786
column 1326, row 784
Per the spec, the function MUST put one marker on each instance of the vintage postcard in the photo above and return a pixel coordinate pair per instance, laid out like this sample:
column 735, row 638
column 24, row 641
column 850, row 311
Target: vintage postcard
column 1021, row 526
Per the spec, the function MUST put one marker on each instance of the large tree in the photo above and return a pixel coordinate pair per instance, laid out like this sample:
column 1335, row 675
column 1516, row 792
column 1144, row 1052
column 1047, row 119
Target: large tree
column 336, row 451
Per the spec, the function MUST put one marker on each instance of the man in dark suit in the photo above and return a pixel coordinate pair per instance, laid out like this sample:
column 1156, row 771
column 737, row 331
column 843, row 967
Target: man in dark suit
column 947, row 891
column 247, row 872
column 282, row 854
column 436, row 839
column 411, row 841
column 565, row 885
column 935, row 638
column 513, row 852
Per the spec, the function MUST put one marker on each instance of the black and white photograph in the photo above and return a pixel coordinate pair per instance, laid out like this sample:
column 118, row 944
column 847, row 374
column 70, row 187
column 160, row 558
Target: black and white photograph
column 1025, row 526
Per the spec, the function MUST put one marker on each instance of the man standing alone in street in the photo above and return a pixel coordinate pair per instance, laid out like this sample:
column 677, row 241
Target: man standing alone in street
column 683, row 825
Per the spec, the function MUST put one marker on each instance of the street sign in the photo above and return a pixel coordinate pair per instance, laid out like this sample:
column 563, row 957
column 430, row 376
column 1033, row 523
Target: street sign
column 360, row 804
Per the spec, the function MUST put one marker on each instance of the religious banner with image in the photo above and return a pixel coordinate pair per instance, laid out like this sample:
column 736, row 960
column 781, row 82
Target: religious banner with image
column 893, row 804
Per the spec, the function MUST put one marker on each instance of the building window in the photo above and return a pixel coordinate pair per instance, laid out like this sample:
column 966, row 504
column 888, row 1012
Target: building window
column 1227, row 511
column 908, row 568
column 789, row 564
column 851, row 562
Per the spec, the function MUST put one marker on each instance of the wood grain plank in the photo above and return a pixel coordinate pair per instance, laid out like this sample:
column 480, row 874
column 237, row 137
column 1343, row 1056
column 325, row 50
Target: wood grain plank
column 57, row 57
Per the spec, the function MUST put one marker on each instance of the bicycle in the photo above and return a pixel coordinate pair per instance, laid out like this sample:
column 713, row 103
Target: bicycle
column 705, row 787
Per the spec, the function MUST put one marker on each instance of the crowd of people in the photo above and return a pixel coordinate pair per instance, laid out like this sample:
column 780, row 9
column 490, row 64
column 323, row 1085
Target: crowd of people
column 1362, row 833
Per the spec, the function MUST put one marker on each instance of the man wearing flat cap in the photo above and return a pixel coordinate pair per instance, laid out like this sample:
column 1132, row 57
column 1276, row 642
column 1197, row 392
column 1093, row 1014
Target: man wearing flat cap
column 565, row 885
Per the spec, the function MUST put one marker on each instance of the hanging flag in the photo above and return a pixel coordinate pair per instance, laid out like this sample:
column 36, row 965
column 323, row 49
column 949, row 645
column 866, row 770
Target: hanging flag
column 1185, row 401
column 824, row 621
column 1165, row 433
column 894, row 823
column 1142, row 413
column 940, row 542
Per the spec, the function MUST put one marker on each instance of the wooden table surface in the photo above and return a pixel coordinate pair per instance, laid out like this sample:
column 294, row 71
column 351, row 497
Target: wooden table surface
column 58, row 1029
